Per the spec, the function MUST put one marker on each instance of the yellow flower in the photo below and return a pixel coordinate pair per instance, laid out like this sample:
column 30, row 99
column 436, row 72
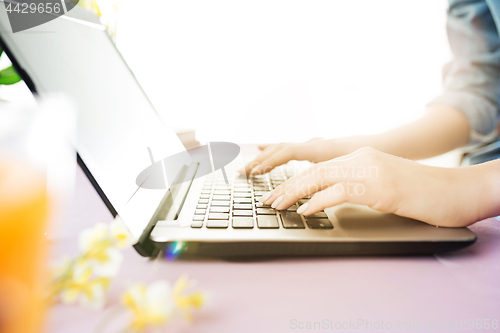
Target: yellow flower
column 102, row 236
column 90, row 5
column 185, row 302
column 150, row 305
column 86, row 277
column 79, row 285
column 107, row 10
column 97, row 236
column 120, row 234
column 99, row 246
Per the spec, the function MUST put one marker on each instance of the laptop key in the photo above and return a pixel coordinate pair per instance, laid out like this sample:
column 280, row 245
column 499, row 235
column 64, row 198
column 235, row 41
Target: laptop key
column 242, row 206
column 221, row 197
column 203, row 201
column 219, row 209
column 267, row 222
column 241, row 185
column 242, row 195
column 262, row 188
column 260, row 204
column 222, row 192
column 319, row 223
column 291, row 220
column 200, row 212
column 205, row 192
column 221, row 203
column 319, row 215
column 198, row 218
column 242, row 213
column 266, row 211
column 217, row 224
column 242, row 222
column 292, row 209
column 242, row 190
column 197, row 224
column 218, row 216
column 202, row 206
column 205, row 196
column 222, row 188
column 242, row 200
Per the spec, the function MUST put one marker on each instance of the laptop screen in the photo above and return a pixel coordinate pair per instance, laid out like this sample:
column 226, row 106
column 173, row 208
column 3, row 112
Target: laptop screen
column 116, row 121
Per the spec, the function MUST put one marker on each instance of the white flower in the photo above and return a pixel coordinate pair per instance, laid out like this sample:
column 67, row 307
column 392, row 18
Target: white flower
column 81, row 287
column 95, row 298
column 120, row 234
column 110, row 265
column 86, row 278
column 150, row 305
column 159, row 299
column 91, row 237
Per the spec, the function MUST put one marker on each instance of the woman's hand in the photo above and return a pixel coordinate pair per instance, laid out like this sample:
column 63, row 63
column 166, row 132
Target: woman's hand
column 444, row 197
column 314, row 150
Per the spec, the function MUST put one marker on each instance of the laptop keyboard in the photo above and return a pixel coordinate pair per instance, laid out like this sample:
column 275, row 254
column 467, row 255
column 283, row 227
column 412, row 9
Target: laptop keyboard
column 236, row 205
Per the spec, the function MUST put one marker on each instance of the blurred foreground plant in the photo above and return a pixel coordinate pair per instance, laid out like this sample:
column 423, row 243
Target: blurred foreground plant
column 8, row 75
column 107, row 10
column 156, row 304
column 86, row 278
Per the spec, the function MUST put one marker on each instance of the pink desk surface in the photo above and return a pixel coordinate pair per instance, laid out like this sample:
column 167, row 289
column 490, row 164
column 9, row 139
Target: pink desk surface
column 278, row 295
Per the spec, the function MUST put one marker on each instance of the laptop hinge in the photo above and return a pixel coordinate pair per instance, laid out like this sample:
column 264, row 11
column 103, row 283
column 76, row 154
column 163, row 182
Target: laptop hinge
column 169, row 208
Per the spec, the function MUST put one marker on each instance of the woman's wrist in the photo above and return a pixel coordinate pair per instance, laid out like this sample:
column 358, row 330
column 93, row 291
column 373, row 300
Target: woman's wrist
column 481, row 189
column 490, row 191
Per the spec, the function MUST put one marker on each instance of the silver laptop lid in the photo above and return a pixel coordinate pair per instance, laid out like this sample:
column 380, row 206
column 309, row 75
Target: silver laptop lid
column 116, row 121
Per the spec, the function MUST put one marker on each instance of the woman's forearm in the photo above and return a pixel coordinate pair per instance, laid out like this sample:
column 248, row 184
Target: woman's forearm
column 440, row 130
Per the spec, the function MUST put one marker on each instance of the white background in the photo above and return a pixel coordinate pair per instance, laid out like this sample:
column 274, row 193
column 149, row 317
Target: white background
column 282, row 70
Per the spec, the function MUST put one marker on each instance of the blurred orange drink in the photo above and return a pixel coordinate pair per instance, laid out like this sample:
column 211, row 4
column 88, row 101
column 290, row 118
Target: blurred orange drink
column 23, row 222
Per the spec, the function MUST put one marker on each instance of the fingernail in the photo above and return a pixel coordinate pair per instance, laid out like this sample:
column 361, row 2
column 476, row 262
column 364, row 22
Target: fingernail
column 254, row 171
column 302, row 208
column 265, row 197
column 277, row 201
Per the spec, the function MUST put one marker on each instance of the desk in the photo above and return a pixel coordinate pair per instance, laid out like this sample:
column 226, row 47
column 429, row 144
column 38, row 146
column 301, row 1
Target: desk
column 273, row 296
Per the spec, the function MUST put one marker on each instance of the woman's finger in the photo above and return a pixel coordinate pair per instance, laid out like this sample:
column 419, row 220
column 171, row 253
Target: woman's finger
column 262, row 156
column 264, row 146
column 297, row 187
column 274, row 159
column 334, row 195
column 320, row 176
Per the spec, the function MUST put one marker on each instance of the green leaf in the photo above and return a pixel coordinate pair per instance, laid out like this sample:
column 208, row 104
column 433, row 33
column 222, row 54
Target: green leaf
column 9, row 76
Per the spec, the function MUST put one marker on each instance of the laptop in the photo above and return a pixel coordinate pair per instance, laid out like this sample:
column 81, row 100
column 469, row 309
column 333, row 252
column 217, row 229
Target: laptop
column 199, row 214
